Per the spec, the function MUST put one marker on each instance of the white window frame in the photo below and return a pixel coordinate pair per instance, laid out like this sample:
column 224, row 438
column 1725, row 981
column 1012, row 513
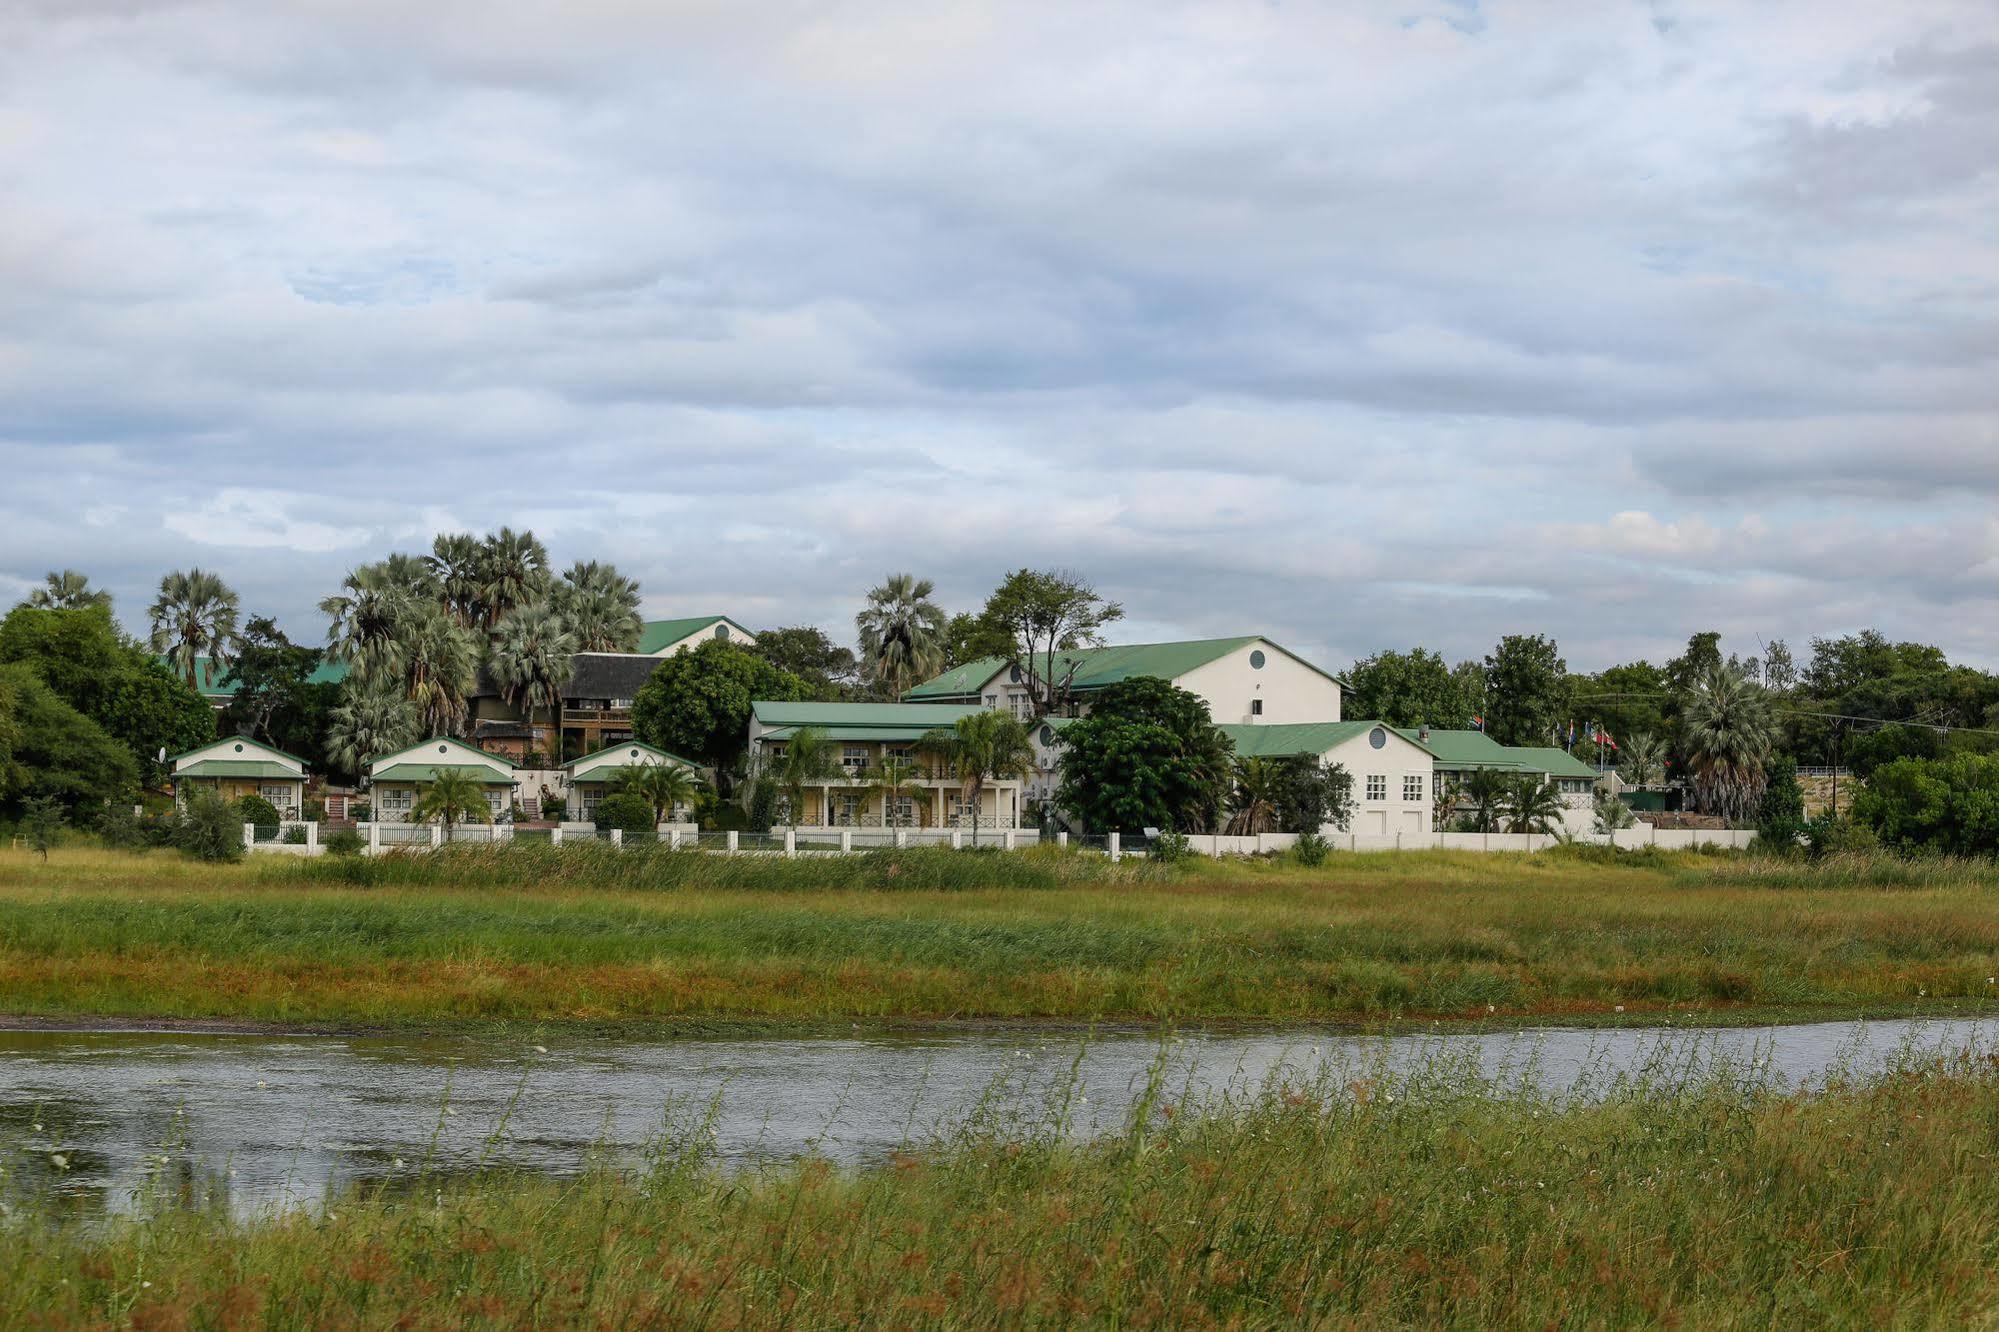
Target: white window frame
column 281, row 795
column 853, row 757
column 396, row 800
column 1412, row 788
column 1377, row 786
column 902, row 810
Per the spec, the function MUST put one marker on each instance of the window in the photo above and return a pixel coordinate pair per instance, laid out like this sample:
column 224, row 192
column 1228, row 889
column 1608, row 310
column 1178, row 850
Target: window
column 591, row 795
column 846, row 811
column 394, row 805
column 853, row 756
column 1377, row 737
column 281, row 796
column 497, row 803
column 1377, row 786
column 1256, row 707
column 1256, row 660
column 722, row 631
column 962, row 809
column 1412, row 790
column 992, row 700
column 622, row 704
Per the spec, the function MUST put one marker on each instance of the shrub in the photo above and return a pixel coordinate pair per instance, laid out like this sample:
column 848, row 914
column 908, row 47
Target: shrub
column 121, row 830
column 313, row 811
column 255, row 809
column 1828, row 836
column 209, row 828
column 554, row 805
column 1611, row 813
column 1780, row 817
column 1311, row 850
column 1170, row 848
column 345, row 842
column 762, row 811
column 360, row 810
column 624, row 811
column 294, row 836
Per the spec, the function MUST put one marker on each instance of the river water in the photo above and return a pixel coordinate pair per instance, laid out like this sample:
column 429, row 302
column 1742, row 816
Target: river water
column 263, row 1121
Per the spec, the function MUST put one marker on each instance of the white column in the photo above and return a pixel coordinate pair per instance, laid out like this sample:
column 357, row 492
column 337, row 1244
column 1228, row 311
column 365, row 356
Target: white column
column 374, row 839
column 617, row 837
column 673, row 839
column 1117, row 850
column 1062, row 837
column 790, row 842
column 1007, row 840
column 732, row 843
column 436, row 835
column 902, row 837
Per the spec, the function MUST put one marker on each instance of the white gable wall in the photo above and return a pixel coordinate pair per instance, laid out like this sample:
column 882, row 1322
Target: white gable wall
column 1401, row 768
column 443, row 753
column 236, row 749
column 1290, row 690
column 703, row 634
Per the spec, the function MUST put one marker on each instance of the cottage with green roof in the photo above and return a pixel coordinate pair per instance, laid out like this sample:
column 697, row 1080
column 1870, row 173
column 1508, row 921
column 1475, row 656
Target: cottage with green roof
column 1462, row 753
column 593, row 776
column 1390, row 771
column 863, row 736
column 1246, row 681
column 238, row 766
column 397, row 779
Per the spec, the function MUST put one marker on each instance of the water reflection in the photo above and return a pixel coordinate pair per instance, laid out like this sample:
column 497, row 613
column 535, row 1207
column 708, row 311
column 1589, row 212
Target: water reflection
column 255, row 1121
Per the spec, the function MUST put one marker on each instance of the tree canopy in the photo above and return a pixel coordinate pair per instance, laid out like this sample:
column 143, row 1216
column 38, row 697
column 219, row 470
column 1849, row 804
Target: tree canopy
column 801, row 650
column 1413, row 688
column 1043, row 613
column 276, row 698
column 698, row 702
column 60, row 754
column 1527, row 690
column 1148, row 756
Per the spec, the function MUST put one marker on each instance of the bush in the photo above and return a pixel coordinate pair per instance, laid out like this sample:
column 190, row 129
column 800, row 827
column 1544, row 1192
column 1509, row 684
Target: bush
column 1828, row 836
column 1611, row 813
column 361, row 811
column 294, row 835
column 625, row 812
column 1170, row 848
column 255, row 809
column 1780, row 818
column 121, row 830
column 313, row 811
column 209, row 828
column 554, row 806
column 1311, row 850
column 345, row 842
column 762, row 811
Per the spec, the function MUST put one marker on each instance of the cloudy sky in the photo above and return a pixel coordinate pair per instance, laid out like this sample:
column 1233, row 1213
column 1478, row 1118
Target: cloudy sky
column 1359, row 325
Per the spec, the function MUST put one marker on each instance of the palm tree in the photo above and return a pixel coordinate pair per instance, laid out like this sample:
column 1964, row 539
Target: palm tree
column 513, row 572
column 1486, row 790
column 1531, row 805
column 895, row 779
column 68, row 590
column 1254, row 798
column 902, row 631
column 367, row 620
column 455, row 563
column 1727, row 728
column 1643, row 762
column 451, row 797
column 440, row 668
column 601, row 606
column 372, row 718
column 983, row 747
column 807, row 761
column 531, row 660
column 664, row 786
column 195, row 616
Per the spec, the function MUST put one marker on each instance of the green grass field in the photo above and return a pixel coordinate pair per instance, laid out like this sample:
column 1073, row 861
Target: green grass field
column 651, row 940
column 1348, row 1201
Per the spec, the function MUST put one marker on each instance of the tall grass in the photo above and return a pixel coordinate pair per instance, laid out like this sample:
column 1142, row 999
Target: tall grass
column 634, row 938
column 1353, row 1198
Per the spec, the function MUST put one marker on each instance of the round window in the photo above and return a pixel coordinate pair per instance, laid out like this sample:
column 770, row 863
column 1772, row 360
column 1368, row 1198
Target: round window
column 635, row 753
column 1377, row 737
column 239, row 749
column 1014, row 675
column 1048, row 735
column 721, row 631
column 444, row 749
column 1256, row 660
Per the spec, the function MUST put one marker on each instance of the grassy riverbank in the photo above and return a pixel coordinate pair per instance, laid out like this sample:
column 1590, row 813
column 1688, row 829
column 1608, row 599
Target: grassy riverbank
column 643, row 940
column 1351, row 1200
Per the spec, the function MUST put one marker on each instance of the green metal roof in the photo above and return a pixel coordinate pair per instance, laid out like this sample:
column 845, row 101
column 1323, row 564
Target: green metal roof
column 857, row 734
column 1096, row 667
column 630, row 745
column 209, row 768
column 427, row 772
column 1458, row 750
column 658, row 635
column 436, row 740
column 844, row 716
column 1555, row 762
column 238, row 740
column 216, row 682
column 1284, row 739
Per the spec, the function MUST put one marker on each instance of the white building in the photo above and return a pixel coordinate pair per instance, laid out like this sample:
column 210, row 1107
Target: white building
column 238, row 766
column 1391, row 773
column 663, row 638
column 396, row 781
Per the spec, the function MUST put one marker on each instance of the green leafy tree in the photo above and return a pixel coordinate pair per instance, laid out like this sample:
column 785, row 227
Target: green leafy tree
column 626, row 811
column 1728, row 728
column 1874, row 749
column 1703, row 655
column 1253, row 800
column 895, row 779
column 1627, row 701
column 512, row 573
column 440, row 669
column 451, row 798
column 809, row 654
column 12, row 775
column 698, row 702
column 1946, row 805
column 808, row 760
column 532, row 658
column 68, row 590
column 980, row 749
column 969, row 638
column 1610, row 813
column 63, row 754
column 255, row 809
column 1530, row 804
column 371, row 719
column 1526, row 687
column 1780, row 673
column 1780, row 814
column 456, row 567
column 1642, row 760
column 902, row 633
column 366, row 621
column 664, row 787
column 193, row 617
column 1413, row 688
column 1311, row 794
column 1148, row 756
column 208, row 828
column 1485, row 790
column 1046, row 613
column 276, row 700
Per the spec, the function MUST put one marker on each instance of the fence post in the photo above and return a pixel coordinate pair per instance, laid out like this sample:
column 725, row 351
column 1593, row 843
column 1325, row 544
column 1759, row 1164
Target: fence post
column 732, row 842
column 249, row 836
column 436, row 835
column 957, row 839
column 1116, row 849
column 312, row 839
column 901, row 838
column 374, row 838
column 617, row 837
column 846, row 840
column 1007, row 842
column 555, row 835
column 1062, row 837
column 673, row 839
column 790, row 843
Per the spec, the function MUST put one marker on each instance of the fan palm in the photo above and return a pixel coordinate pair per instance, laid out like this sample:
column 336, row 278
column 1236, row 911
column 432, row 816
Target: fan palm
column 664, row 786
column 531, row 660
column 367, row 621
column 1727, row 729
column 1531, row 804
column 513, row 572
column 895, row 779
column 601, row 606
column 451, row 797
column 68, row 590
column 1644, row 760
column 1253, row 801
column 902, row 632
column 1485, row 790
column 195, row 616
column 372, row 718
column 440, row 668
column 454, row 562
column 807, row 761
column 983, row 747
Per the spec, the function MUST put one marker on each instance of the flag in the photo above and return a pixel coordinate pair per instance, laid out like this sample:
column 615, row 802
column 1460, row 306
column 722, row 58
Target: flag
column 1478, row 723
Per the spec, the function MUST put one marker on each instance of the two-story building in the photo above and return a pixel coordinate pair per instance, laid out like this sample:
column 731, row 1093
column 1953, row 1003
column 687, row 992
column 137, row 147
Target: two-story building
column 862, row 737
column 1248, row 681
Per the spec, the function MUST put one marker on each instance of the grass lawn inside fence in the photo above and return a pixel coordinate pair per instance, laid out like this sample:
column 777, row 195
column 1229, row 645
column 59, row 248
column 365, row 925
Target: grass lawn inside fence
column 647, row 940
